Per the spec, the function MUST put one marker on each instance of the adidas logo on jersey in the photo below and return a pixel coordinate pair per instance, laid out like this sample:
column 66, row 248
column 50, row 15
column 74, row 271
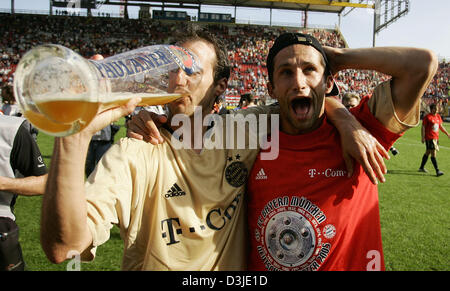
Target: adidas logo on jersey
column 261, row 175
column 175, row 191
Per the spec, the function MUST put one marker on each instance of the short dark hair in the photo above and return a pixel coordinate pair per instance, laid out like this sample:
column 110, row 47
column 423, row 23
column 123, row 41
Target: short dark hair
column 247, row 97
column 288, row 39
column 194, row 32
column 220, row 99
column 7, row 93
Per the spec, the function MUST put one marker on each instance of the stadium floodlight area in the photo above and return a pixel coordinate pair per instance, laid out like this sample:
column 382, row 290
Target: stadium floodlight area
column 385, row 11
column 333, row 6
column 389, row 11
column 89, row 4
column 324, row 6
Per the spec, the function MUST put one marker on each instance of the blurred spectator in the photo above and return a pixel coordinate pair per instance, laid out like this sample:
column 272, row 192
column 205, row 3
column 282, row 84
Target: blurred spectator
column 245, row 100
column 9, row 106
column 220, row 107
column 100, row 143
column 249, row 100
column 350, row 100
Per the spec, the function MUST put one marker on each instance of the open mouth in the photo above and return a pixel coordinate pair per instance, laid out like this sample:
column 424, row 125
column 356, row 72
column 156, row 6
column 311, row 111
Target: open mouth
column 301, row 107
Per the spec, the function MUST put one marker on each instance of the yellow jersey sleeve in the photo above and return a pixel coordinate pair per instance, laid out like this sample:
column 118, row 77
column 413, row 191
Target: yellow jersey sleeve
column 382, row 107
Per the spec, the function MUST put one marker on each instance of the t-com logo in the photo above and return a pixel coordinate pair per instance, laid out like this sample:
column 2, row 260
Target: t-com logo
column 327, row 173
column 216, row 219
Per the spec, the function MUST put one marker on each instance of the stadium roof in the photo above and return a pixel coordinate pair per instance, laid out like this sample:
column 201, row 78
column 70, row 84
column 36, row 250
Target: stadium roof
column 330, row 6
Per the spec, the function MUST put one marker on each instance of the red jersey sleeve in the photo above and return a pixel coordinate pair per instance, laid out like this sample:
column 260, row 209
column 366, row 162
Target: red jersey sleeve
column 384, row 136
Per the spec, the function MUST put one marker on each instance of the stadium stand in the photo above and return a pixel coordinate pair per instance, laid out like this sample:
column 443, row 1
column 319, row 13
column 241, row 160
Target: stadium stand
column 247, row 46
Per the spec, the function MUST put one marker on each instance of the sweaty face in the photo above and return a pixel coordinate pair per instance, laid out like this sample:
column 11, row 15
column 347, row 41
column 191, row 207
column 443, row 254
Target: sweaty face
column 198, row 87
column 300, row 86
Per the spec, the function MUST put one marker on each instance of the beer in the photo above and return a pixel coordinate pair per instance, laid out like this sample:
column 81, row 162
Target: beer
column 147, row 99
column 68, row 111
column 60, row 92
column 64, row 117
column 46, row 125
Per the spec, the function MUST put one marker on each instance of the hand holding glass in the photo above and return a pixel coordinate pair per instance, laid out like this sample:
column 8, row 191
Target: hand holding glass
column 60, row 92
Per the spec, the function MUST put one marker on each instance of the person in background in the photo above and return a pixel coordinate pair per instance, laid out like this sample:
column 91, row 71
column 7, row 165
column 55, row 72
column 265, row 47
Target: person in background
column 243, row 102
column 22, row 172
column 100, row 143
column 220, row 106
column 9, row 106
column 431, row 124
column 251, row 100
column 350, row 100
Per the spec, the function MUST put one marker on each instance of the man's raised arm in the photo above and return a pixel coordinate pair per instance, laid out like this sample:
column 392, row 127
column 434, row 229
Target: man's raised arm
column 412, row 69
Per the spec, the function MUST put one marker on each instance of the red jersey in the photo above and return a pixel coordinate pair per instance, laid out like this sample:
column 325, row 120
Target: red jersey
column 432, row 123
column 306, row 214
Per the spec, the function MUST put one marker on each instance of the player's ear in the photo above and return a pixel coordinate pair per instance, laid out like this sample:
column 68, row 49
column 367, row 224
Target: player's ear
column 270, row 90
column 329, row 84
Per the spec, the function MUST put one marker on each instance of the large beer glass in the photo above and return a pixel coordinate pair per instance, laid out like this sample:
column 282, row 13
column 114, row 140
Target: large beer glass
column 60, row 92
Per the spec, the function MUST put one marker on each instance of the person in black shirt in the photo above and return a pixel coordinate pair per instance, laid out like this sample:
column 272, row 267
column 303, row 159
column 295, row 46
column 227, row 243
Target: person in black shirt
column 22, row 172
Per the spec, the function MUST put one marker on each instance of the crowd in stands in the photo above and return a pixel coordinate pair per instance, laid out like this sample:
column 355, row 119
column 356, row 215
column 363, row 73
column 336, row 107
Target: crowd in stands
column 360, row 82
column 247, row 46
